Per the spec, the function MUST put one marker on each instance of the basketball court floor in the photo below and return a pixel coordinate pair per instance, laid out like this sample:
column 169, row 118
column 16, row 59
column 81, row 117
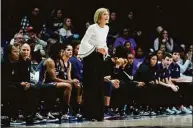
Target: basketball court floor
column 174, row 121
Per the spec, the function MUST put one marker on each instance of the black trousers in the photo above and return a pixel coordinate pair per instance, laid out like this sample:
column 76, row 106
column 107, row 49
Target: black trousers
column 20, row 99
column 160, row 96
column 93, row 86
column 186, row 93
column 155, row 96
column 120, row 96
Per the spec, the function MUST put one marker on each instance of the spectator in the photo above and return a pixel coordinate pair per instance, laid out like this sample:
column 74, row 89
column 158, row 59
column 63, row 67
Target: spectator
column 113, row 28
column 139, row 58
column 18, row 38
column 160, row 55
column 190, row 53
column 178, row 69
column 56, row 21
column 66, row 33
column 77, row 65
column 128, row 47
column 184, row 62
column 124, row 36
column 31, row 34
column 131, row 24
column 164, row 39
column 35, row 20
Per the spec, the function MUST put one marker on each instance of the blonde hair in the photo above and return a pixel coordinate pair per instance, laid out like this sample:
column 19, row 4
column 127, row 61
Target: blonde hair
column 98, row 14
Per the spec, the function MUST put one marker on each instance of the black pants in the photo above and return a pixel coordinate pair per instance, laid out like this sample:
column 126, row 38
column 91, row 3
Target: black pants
column 93, row 89
column 48, row 95
column 20, row 99
column 186, row 93
column 120, row 96
column 160, row 96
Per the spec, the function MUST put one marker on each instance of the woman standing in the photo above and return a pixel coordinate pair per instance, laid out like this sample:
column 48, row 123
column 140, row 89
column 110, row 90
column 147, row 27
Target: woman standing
column 93, row 50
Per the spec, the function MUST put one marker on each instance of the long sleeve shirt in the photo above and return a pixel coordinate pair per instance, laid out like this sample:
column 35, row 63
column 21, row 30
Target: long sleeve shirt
column 183, row 66
column 141, row 74
column 169, row 46
column 120, row 41
column 95, row 37
column 10, row 73
column 77, row 68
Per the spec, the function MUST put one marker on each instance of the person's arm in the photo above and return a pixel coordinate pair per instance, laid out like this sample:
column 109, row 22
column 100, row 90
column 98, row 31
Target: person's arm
column 169, row 81
column 170, row 85
column 163, row 83
column 75, row 72
column 106, row 48
column 170, row 46
column 85, row 46
column 184, row 67
column 52, row 73
column 176, row 79
column 69, row 72
column 115, row 83
column 107, row 78
column 41, row 42
column 62, row 32
column 141, row 74
column 156, row 44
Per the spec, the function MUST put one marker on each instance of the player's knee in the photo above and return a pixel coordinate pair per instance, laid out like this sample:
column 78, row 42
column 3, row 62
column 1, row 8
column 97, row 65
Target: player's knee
column 68, row 86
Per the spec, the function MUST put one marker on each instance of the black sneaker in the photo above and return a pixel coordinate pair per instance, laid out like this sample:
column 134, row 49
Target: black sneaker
column 5, row 121
column 71, row 111
column 79, row 116
column 30, row 120
column 69, row 117
column 123, row 114
column 111, row 113
column 136, row 112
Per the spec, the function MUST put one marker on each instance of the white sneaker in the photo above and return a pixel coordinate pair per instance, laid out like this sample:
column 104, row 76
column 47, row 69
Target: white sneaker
column 176, row 111
column 169, row 112
column 39, row 116
column 51, row 118
column 65, row 117
column 190, row 108
column 185, row 110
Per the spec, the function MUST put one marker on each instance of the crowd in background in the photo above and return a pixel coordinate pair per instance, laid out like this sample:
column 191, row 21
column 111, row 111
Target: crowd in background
column 42, row 73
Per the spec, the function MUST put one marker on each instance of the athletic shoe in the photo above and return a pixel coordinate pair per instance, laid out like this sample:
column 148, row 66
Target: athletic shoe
column 51, row 118
column 176, row 111
column 185, row 110
column 169, row 112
